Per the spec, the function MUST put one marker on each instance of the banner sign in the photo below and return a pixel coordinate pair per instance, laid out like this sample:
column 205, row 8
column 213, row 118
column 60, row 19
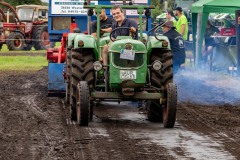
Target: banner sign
column 69, row 7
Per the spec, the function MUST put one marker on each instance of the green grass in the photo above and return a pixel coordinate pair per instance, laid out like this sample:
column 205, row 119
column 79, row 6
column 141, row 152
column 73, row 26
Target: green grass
column 5, row 49
column 22, row 62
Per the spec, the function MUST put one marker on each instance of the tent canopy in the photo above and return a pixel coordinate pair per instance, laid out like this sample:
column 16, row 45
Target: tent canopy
column 200, row 12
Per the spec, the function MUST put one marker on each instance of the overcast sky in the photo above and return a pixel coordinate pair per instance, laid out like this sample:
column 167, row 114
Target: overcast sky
column 44, row 0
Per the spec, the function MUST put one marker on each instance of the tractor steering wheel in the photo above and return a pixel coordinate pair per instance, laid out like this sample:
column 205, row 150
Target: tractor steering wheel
column 155, row 35
column 155, row 31
column 114, row 30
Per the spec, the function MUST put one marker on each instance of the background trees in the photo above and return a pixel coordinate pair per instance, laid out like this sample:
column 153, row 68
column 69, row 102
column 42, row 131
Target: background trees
column 20, row 2
column 159, row 8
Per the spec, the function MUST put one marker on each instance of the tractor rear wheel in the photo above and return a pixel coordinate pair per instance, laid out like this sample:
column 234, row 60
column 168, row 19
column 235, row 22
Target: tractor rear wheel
column 68, row 75
column 15, row 41
column 81, row 70
column 170, row 108
column 83, row 104
column 165, row 75
column 167, row 69
column 27, row 47
column 41, row 37
column 159, row 79
column 52, row 44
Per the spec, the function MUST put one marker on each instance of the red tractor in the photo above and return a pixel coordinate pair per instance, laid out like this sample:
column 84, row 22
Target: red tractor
column 25, row 27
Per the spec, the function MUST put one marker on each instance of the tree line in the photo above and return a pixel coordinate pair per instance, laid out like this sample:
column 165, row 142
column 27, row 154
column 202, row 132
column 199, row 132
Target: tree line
column 14, row 3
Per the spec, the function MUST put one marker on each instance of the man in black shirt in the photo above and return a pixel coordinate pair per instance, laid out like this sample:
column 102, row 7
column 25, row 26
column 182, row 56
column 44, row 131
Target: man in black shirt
column 209, row 41
column 120, row 21
column 105, row 24
column 176, row 43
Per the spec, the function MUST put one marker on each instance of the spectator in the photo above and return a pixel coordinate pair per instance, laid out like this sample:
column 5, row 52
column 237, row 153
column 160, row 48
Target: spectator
column 182, row 23
column 120, row 21
column 176, row 43
column 170, row 17
column 105, row 23
column 209, row 41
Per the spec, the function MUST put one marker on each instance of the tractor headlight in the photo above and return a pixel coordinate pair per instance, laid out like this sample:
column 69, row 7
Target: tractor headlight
column 164, row 43
column 80, row 43
column 157, row 65
column 97, row 66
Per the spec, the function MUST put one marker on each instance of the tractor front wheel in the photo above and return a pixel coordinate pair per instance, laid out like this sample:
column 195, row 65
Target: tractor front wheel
column 83, row 104
column 159, row 79
column 15, row 41
column 170, row 107
column 81, row 70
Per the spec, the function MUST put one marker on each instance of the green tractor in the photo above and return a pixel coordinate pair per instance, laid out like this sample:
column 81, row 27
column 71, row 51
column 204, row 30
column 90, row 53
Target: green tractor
column 137, row 70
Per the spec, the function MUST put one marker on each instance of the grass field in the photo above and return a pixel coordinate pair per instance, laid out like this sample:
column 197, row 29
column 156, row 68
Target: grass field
column 5, row 49
column 19, row 62
column 22, row 62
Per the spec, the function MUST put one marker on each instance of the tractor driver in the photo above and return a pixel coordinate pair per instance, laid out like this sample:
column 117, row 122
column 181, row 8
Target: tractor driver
column 105, row 24
column 120, row 21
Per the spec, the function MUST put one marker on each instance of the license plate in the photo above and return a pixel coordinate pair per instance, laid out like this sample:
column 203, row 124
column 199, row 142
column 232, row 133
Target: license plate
column 128, row 74
column 127, row 54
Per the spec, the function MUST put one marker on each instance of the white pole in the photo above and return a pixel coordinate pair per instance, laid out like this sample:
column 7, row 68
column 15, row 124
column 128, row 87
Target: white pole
column 165, row 5
column 198, row 40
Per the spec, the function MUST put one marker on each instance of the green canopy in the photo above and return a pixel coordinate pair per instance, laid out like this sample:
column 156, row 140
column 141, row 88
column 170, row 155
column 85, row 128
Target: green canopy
column 200, row 12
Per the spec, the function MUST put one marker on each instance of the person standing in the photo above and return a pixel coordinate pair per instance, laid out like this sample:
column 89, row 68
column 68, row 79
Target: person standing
column 170, row 17
column 209, row 41
column 182, row 23
column 176, row 43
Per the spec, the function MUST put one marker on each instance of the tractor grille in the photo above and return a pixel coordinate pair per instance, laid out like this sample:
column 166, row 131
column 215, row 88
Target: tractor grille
column 137, row 62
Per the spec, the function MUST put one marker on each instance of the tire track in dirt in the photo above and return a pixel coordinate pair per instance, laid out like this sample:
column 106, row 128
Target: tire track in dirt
column 206, row 120
column 177, row 143
column 80, row 140
column 34, row 126
column 118, row 138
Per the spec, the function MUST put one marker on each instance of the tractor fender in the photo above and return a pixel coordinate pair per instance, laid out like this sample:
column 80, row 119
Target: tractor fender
column 71, row 37
column 154, row 43
column 104, row 41
column 40, row 23
column 18, row 31
column 88, row 40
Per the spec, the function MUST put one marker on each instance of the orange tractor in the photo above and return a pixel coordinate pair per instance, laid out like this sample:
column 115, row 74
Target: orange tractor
column 25, row 27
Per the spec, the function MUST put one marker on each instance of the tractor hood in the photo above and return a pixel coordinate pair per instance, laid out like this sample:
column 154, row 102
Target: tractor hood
column 137, row 46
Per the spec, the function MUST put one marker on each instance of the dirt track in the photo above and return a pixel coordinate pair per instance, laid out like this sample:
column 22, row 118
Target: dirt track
column 34, row 126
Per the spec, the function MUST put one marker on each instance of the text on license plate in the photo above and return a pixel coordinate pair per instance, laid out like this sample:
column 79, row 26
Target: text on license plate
column 128, row 74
